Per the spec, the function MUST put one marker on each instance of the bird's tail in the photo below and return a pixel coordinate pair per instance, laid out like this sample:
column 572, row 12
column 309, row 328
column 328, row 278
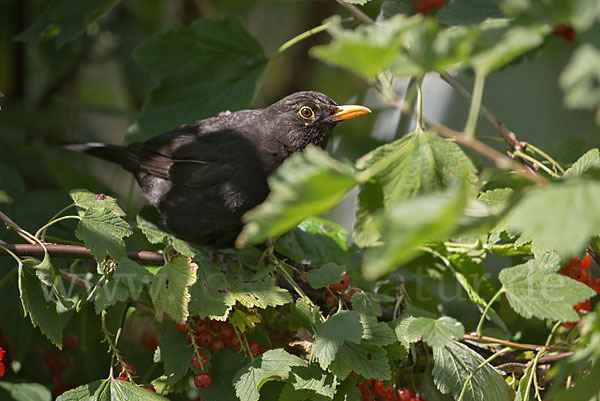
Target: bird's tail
column 113, row 153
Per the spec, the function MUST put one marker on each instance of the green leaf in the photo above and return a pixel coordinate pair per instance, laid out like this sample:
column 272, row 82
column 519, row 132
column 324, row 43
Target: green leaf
column 347, row 391
column 308, row 183
column 206, row 68
column 315, row 241
column 175, row 353
column 585, row 389
column 367, row 50
column 535, row 290
column 275, row 362
column 590, row 160
column 325, row 275
column 455, row 362
column 364, row 359
column 359, row 2
column 401, row 330
column 65, row 20
column 89, row 391
column 366, row 303
column 502, row 43
column 308, row 382
column 581, row 78
column 463, row 12
column 376, row 333
column 169, row 289
column 148, row 222
column 102, row 227
column 110, row 390
column 409, row 225
column 306, row 314
column 524, row 390
column 261, row 294
column 222, row 375
column 24, row 392
column 436, row 332
column 37, row 303
column 558, row 217
column 418, row 163
column 209, row 294
column 127, row 282
column 341, row 327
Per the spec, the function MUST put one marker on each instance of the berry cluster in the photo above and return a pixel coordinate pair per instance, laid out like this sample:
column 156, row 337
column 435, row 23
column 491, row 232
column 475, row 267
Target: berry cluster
column 372, row 390
column 564, row 31
column 213, row 336
column 428, row 6
column 2, row 367
column 577, row 269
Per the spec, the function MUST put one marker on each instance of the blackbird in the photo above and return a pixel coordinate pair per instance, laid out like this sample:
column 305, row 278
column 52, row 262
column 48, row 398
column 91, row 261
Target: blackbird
column 204, row 176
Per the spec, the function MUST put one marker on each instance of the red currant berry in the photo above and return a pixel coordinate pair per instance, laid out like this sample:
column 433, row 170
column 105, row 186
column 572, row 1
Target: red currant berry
column 1, row 354
column 352, row 292
column 594, row 284
column 2, row 369
column 227, row 331
column 217, row 345
column 232, row 342
column 148, row 340
column 330, row 300
column 204, row 338
column 201, row 325
column 381, row 390
column 403, row 394
column 342, row 285
column 123, row 378
column 181, row 327
column 585, row 263
column 585, row 306
column 130, row 369
column 569, row 325
column 564, row 31
column 254, row 349
column 150, row 388
column 371, row 382
column 202, row 381
column 199, row 360
column 428, row 6
column 417, row 399
column 69, row 342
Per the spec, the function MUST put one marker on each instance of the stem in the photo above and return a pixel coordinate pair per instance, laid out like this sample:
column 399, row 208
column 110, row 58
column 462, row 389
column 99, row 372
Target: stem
column 362, row 17
column 419, row 106
column 304, row 35
column 540, row 152
column 42, row 230
column 535, row 162
column 512, row 344
column 10, row 224
column 61, row 211
column 487, row 308
column 475, row 105
column 481, row 365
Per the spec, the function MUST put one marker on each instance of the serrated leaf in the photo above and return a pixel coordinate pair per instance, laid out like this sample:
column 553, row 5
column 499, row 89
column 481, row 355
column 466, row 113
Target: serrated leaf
column 127, row 281
column 558, row 217
column 261, row 294
column 455, row 362
column 418, row 163
column 409, row 225
column 347, row 391
column 343, row 326
column 523, row 391
column 308, row 315
column 110, row 390
column 307, row 183
column 24, row 391
column 308, row 382
column 209, row 296
column 325, row 275
column 204, row 69
column 401, row 330
column 276, row 362
column 148, row 222
column 533, row 290
column 175, row 353
column 376, row 333
column 170, row 288
column 590, row 160
column 86, row 392
column 315, row 241
column 366, row 303
column 365, row 360
column 367, row 50
column 436, row 332
column 36, row 302
column 101, row 227
column 65, row 20
column 579, row 80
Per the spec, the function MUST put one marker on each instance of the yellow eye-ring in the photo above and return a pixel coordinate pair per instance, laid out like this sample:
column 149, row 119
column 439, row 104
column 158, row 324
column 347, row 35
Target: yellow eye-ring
column 306, row 112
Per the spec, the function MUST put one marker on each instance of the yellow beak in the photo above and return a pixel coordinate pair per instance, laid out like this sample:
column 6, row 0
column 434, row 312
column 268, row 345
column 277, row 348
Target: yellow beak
column 349, row 111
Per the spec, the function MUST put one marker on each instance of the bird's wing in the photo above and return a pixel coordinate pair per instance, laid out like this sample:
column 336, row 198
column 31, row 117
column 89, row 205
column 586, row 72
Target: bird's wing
column 188, row 158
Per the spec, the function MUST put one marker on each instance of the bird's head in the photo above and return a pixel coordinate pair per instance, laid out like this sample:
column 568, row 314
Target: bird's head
column 304, row 118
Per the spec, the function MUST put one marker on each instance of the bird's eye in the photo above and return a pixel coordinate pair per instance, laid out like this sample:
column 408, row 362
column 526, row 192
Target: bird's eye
column 306, row 112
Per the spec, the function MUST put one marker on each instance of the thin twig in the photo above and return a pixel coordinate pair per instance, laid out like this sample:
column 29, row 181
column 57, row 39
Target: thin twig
column 512, row 344
column 356, row 12
column 10, row 224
